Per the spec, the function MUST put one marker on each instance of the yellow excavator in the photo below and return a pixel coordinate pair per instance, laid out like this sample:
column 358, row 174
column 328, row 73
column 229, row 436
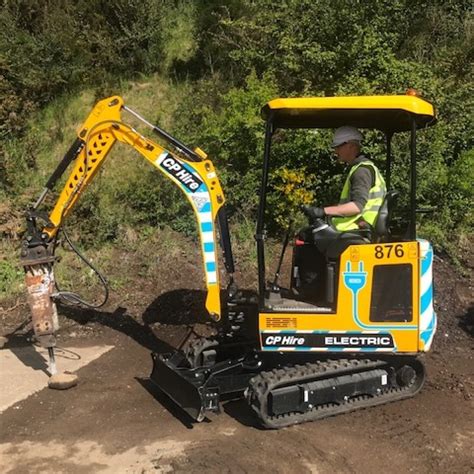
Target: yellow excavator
column 348, row 339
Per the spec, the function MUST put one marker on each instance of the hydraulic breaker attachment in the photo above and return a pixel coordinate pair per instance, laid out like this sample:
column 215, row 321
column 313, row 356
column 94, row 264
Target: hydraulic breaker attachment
column 39, row 281
column 37, row 259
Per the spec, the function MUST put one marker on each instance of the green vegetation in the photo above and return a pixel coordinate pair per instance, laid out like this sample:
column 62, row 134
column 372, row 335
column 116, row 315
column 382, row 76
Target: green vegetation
column 202, row 70
column 10, row 277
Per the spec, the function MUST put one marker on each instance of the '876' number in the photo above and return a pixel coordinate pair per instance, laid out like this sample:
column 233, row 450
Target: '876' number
column 387, row 250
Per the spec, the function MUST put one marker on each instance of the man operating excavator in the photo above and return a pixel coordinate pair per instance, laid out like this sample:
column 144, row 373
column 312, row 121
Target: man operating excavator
column 360, row 201
column 363, row 191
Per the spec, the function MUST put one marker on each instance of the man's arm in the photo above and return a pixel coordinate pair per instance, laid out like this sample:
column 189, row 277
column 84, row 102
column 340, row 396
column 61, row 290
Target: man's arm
column 361, row 182
column 347, row 209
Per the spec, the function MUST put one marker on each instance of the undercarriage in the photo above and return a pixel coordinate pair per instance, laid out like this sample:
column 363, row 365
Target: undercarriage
column 284, row 388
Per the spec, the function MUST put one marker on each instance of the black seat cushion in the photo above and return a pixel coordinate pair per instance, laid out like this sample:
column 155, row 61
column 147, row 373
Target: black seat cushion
column 329, row 241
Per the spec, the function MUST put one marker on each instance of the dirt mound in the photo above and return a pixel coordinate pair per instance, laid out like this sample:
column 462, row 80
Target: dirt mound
column 454, row 304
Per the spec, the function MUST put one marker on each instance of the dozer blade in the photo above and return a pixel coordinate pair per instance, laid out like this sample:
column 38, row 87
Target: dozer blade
column 186, row 387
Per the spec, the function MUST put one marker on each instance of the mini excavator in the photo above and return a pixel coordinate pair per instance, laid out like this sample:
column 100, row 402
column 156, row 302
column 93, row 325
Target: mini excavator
column 349, row 338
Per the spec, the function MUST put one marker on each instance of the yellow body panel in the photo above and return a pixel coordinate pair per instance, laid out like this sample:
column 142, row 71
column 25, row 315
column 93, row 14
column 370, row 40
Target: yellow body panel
column 355, row 290
column 412, row 104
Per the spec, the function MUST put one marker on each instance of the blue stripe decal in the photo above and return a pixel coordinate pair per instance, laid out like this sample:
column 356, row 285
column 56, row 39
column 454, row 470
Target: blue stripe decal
column 211, row 266
column 327, row 332
column 208, row 247
column 428, row 321
column 429, row 331
column 206, row 226
column 324, row 349
column 426, row 299
column 426, row 262
column 206, row 207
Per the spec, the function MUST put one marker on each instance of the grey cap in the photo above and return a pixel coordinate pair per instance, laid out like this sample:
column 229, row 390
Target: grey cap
column 346, row 134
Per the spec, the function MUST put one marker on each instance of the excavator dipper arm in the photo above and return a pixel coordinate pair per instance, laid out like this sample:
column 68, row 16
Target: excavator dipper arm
column 189, row 169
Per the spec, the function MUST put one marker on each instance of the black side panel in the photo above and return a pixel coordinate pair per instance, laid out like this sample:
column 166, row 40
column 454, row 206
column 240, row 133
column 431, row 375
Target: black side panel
column 309, row 273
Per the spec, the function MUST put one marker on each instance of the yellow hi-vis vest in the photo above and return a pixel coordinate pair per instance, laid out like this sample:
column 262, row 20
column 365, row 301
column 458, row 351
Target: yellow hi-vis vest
column 372, row 206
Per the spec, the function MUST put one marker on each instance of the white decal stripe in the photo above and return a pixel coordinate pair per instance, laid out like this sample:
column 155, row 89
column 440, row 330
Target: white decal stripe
column 161, row 158
column 205, row 217
column 426, row 317
column 207, row 237
column 425, row 283
column 211, row 277
column 209, row 257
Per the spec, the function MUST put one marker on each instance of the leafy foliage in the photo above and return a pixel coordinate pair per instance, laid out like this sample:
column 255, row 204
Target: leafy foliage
column 228, row 58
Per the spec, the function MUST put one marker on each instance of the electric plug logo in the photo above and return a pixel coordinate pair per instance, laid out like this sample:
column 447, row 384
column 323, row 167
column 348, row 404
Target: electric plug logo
column 355, row 281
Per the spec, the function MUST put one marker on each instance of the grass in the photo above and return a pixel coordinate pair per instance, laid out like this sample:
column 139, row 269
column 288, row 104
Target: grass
column 11, row 274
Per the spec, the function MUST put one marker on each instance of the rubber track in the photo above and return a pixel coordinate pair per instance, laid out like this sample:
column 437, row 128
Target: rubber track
column 261, row 386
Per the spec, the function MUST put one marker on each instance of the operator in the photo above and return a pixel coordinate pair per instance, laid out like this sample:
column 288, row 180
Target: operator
column 363, row 191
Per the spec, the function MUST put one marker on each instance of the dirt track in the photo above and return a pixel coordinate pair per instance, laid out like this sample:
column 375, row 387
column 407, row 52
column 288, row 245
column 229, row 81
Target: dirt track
column 114, row 421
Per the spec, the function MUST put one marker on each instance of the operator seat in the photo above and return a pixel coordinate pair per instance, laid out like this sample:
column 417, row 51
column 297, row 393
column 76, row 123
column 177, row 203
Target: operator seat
column 332, row 243
column 381, row 231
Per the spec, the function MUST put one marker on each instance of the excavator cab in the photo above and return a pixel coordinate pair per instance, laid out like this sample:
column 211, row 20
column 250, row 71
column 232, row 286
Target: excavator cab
column 359, row 280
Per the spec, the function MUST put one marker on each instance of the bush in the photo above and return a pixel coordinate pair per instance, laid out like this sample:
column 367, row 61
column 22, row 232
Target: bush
column 232, row 57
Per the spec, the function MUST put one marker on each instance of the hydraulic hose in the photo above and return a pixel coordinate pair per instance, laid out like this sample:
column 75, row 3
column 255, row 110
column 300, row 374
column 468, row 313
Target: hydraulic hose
column 74, row 298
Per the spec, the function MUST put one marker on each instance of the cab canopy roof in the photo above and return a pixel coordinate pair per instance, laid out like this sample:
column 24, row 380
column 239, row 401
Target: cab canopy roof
column 390, row 114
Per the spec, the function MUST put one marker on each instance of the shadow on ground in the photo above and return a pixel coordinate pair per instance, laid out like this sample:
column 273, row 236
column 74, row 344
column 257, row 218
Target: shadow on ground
column 177, row 308
column 466, row 321
column 117, row 320
column 240, row 410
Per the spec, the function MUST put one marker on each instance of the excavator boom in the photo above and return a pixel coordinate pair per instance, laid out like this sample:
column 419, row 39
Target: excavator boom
column 190, row 170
